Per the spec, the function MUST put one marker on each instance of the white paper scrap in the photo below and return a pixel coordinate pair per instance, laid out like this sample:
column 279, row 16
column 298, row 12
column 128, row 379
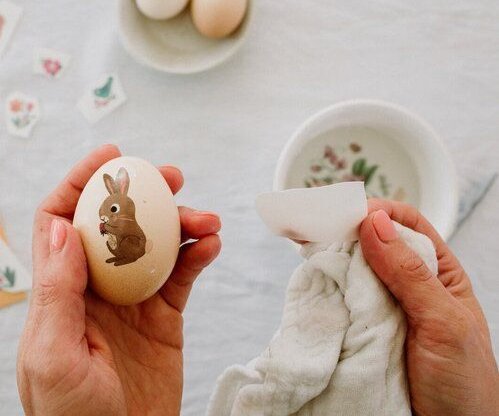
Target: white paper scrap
column 22, row 112
column 102, row 98
column 10, row 14
column 330, row 213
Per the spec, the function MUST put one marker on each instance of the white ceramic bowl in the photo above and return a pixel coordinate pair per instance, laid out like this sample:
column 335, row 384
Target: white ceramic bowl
column 174, row 45
column 410, row 147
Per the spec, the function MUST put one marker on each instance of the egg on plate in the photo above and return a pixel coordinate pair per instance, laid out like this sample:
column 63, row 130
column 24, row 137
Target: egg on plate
column 161, row 9
column 218, row 18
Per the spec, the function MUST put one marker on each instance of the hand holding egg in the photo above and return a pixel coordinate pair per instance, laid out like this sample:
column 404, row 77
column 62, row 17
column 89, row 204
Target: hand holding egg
column 130, row 229
column 75, row 335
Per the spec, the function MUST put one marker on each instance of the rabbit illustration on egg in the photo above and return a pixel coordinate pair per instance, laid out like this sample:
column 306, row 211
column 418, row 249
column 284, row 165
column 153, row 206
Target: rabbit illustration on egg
column 126, row 239
column 129, row 201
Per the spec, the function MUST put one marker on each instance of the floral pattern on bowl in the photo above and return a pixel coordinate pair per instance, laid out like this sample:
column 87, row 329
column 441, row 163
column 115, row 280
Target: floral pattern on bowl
column 345, row 164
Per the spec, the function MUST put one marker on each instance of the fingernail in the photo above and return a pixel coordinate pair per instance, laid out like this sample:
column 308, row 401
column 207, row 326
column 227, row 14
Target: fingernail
column 170, row 167
column 384, row 227
column 206, row 213
column 57, row 236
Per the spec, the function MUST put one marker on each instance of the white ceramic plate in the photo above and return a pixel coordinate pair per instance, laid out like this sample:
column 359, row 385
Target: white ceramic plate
column 174, row 45
column 406, row 158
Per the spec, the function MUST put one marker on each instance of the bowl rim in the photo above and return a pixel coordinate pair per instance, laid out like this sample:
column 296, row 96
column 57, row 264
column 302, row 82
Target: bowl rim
column 299, row 138
column 143, row 60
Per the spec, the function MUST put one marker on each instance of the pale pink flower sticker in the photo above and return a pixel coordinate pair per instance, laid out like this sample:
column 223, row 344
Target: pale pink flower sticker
column 50, row 63
column 22, row 112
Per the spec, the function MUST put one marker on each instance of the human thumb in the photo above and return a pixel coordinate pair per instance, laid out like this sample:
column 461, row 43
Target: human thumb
column 404, row 273
column 59, row 284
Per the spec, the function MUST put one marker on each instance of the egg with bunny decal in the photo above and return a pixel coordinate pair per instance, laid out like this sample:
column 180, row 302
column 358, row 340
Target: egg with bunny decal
column 130, row 229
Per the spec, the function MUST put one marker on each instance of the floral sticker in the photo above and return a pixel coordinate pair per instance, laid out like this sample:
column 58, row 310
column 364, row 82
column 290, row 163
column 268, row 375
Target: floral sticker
column 13, row 276
column 10, row 14
column 50, row 63
column 350, row 164
column 22, row 113
column 102, row 98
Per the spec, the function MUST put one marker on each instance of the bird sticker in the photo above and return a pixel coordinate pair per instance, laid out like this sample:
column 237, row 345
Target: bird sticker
column 104, row 94
column 102, row 98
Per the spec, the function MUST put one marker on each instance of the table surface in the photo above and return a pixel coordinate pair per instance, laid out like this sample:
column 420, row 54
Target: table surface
column 226, row 127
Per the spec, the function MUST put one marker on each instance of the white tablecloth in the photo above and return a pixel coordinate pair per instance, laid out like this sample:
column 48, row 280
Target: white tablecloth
column 226, row 127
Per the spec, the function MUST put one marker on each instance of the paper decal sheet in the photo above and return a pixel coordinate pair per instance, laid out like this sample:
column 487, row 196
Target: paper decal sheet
column 330, row 213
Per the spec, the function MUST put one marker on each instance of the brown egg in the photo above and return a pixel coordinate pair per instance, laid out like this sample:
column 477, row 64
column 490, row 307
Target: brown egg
column 130, row 229
column 218, row 18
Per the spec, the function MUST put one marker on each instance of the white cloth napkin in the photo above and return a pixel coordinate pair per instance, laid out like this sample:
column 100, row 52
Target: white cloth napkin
column 339, row 349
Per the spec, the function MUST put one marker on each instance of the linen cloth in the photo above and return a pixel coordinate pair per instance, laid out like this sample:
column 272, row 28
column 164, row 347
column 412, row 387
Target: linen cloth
column 339, row 349
column 226, row 127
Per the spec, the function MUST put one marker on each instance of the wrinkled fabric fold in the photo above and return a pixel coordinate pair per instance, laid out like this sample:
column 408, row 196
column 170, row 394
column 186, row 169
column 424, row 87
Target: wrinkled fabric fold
column 339, row 348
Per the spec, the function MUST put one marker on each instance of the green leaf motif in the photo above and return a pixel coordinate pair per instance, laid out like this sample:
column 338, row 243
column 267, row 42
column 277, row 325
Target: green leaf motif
column 105, row 90
column 384, row 185
column 358, row 167
column 368, row 173
column 10, row 275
